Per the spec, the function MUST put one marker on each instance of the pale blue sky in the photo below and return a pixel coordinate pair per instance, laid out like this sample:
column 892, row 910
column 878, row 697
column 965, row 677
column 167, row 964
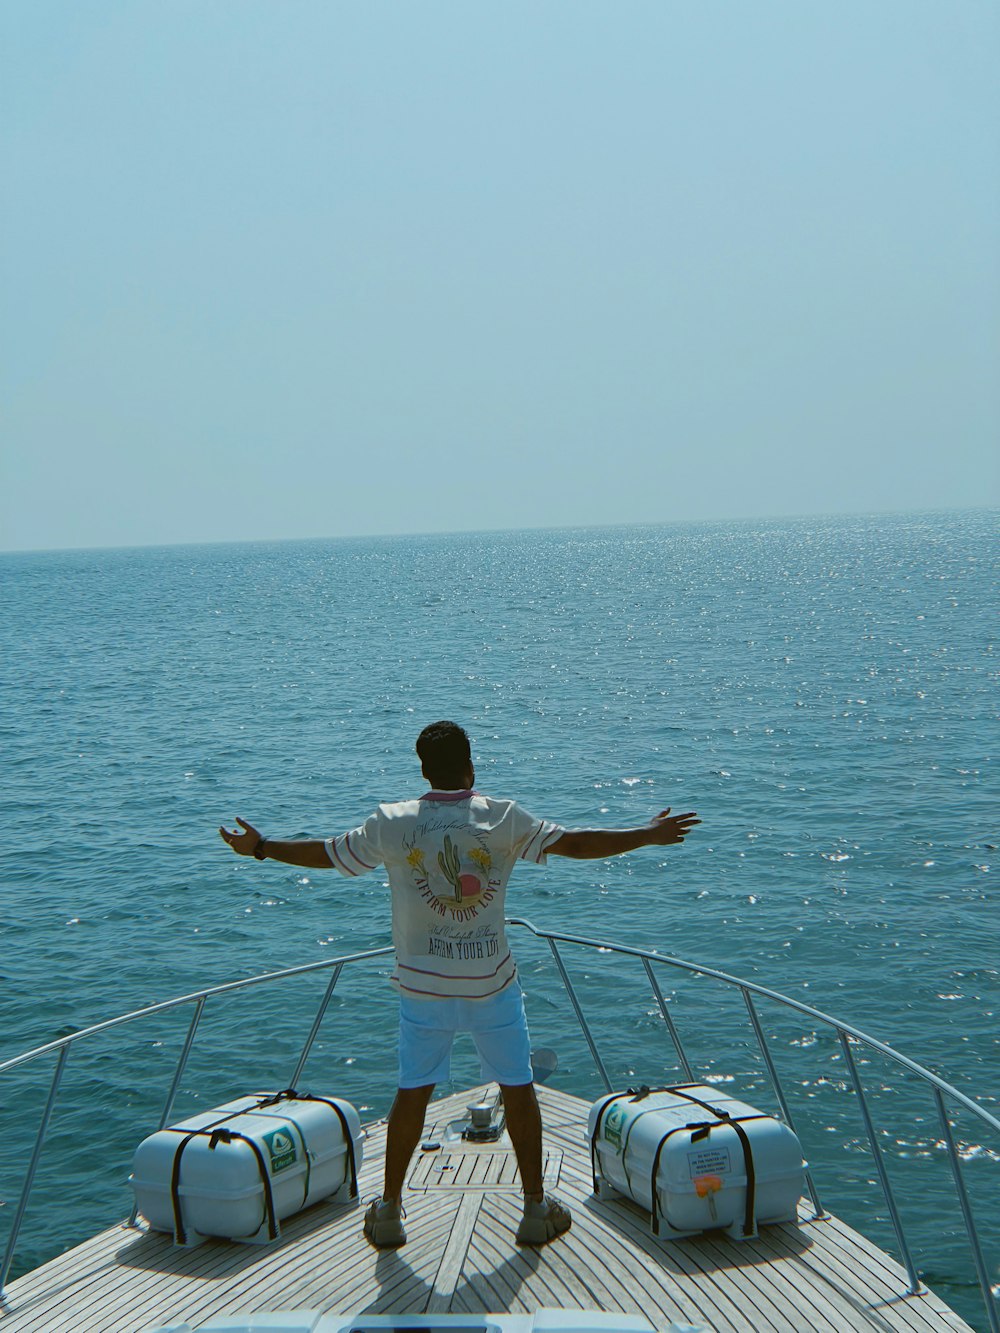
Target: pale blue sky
column 301, row 268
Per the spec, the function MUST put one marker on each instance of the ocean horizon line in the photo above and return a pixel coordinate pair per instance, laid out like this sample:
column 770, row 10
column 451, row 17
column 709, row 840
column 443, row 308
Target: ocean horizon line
column 657, row 524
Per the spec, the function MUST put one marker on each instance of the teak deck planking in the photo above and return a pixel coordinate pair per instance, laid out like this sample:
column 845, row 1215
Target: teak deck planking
column 463, row 1205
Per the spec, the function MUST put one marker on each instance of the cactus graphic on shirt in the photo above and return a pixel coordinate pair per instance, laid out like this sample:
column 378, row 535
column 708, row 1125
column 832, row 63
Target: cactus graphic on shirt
column 451, row 867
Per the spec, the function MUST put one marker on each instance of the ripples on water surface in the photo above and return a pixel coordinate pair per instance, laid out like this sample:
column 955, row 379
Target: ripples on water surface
column 822, row 692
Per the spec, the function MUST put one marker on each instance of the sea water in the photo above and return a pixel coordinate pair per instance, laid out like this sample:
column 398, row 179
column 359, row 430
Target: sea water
column 822, row 692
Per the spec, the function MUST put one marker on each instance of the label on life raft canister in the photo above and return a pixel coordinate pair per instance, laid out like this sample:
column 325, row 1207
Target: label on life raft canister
column 281, row 1146
column 709, row 1162
column 614, row 1123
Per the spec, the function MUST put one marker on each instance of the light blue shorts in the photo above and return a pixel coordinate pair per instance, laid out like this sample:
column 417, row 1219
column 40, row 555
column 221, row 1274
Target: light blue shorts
column 498, row 1027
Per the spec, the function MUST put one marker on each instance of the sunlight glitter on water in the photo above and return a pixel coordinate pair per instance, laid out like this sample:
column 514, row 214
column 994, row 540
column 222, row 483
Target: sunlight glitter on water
column 156, row 704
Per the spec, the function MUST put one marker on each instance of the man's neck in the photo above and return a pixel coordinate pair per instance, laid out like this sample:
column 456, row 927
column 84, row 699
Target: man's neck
column 448, row 794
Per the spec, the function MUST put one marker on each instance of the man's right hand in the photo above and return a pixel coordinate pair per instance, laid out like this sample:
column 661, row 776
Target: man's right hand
column 668, row 829
column 243, row 844
column 596, row 844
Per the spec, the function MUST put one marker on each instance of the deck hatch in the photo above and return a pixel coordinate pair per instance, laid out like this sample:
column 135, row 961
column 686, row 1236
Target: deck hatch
column 469, row 1170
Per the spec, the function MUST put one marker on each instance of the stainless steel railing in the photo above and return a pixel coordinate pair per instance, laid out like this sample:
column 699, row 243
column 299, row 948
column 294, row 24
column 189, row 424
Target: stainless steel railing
column 943, row 1094
column 198, row 999
column 847, row 1036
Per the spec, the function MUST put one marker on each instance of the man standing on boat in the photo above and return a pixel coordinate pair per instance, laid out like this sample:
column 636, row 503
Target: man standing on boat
column 448, row 856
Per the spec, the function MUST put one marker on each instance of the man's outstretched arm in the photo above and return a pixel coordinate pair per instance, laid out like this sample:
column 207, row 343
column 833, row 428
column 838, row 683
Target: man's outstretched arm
column 596, row 844
column 308, row 852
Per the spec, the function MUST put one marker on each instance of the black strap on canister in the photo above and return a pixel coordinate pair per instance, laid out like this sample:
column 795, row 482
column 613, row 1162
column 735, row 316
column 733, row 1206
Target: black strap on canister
column 615, row 1096
column 750, row 1212
column 227, row 1136
column 703, row 1131
column 216, row 1135
column 274, row 1099
column 289, row 1094
column 214, row 1132
column 348, row 1137
column 180, row 1234
column 699, row 1131
column 749, row 1215
column 633, row 1095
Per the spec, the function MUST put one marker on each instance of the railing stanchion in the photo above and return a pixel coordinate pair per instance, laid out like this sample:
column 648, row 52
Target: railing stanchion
column 168, row 1105
column 667, row 1017
column 915, row 1284
column 982, row 1272
column 314, row 1030
column 32, row 1166
column 579, row 1015
column 779, row 1092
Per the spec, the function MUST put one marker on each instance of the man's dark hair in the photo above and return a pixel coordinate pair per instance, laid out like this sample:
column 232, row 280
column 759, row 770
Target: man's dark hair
column 445, row 755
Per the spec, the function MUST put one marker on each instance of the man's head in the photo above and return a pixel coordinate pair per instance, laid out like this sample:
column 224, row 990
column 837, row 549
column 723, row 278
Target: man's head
column 446, row 756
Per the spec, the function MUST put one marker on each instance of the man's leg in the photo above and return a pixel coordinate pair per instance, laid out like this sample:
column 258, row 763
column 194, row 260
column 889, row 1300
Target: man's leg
column 425, row 1039
column 544, row 1216
column 406, row 1125
column 384, row 1217
column 501, row 1034
column 524, row 1125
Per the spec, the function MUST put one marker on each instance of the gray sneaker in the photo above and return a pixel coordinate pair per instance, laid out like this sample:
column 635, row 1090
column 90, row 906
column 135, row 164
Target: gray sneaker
column 384, row 1224
column 543, row 1220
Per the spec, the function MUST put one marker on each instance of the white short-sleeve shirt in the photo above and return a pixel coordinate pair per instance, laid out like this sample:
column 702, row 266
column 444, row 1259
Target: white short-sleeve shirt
column 448, row 856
